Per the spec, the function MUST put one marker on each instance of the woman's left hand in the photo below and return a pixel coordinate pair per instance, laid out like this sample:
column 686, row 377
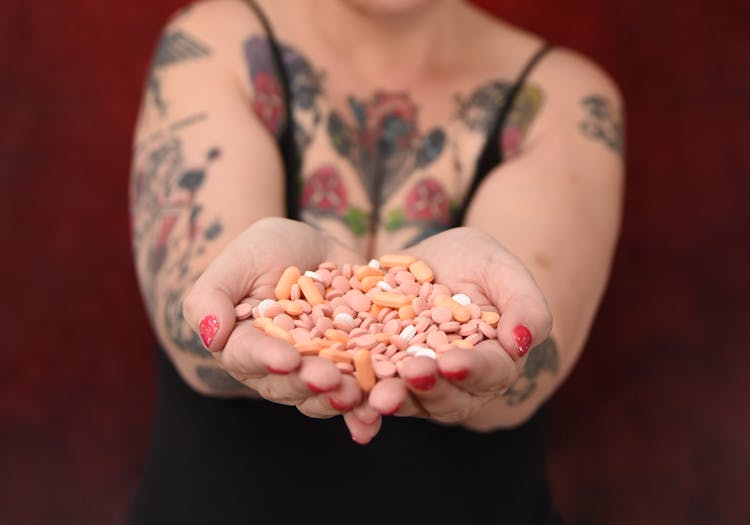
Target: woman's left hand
column 456, row 385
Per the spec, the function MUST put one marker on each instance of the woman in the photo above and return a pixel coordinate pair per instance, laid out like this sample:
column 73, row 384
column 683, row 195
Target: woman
column 377, row 126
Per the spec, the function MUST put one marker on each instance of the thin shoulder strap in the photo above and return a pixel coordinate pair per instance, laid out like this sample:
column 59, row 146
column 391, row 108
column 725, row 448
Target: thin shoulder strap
column 286, row 142
column 492, row 154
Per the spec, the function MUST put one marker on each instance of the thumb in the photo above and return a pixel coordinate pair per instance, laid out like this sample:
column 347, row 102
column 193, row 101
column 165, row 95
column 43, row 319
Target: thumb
column 209, row 306
column 525, row 321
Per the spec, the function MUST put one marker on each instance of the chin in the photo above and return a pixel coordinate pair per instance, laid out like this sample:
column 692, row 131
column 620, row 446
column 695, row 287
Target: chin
column 390, row 7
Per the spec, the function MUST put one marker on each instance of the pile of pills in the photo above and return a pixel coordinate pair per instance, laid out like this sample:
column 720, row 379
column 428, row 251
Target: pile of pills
column 369, row 319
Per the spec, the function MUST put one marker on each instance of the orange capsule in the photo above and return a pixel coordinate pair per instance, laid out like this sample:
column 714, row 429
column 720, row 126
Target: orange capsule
column 367, row 271
column 491, row 318
column 375, row 310
column 262, row 322
column 463, row 343
column 310, row 291
column 396, row 259
column 337, row 356
column 363, row 369
column 283, row 288
column 336, row 335
column 406, row 312
column 369, row 282
column 390, row 299
column 275, row 330
column 311, row 347
column 460, row 312
column 421, row 272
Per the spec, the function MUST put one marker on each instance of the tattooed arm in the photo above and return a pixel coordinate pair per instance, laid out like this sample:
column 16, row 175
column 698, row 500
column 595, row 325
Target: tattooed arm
column 557, row 207
column 204, row 169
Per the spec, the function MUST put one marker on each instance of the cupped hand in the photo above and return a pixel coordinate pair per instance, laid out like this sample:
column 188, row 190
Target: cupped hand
column 250, row 267
column 460, row 382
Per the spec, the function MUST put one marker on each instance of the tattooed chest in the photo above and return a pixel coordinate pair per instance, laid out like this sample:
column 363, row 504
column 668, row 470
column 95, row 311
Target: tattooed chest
column 374, row 171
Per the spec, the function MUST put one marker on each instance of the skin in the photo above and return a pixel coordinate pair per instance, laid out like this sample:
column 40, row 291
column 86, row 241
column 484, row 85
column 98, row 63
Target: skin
column 207, row 195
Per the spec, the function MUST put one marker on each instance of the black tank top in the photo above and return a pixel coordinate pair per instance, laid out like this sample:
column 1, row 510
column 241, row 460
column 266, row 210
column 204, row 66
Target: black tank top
column 238, row 461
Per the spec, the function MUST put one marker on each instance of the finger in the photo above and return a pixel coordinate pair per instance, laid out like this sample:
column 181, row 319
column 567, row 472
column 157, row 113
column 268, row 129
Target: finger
column 441, row 399
column 525, row 321
column 343, row 398
column 209, row 306
column 392, row 397
column 485, row 369
column 361, row 432
column 250, row 353
column 314, row 375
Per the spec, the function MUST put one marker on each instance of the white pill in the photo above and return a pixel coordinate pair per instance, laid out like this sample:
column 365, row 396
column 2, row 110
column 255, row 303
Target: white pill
column 314, row 275
column 425, row 352
column 414, row 349
column 374, row 264
column 344, row 317
column 265, row 303
column 384, row 286
column 408, row 332
column 462, row 299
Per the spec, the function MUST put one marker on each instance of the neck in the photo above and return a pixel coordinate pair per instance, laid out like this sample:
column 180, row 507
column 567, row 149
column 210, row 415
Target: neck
column 403, row 42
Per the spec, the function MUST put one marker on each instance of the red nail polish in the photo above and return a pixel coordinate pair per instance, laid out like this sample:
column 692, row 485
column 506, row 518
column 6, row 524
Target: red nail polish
column 318, row 390
column 455, row 375
column 522, row 337
column 424, row 382
column 208, row 328
column 277, row 370
column 393, row 411
column 337, row 405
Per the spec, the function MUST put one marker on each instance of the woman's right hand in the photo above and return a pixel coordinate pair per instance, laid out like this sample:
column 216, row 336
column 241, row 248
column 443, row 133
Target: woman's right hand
column 250, row 266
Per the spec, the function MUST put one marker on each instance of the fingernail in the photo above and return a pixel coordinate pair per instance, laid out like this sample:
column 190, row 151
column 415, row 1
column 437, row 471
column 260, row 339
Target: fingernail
column 522, row 337
column 336, row 405
column 393, row 411
column 423, row 383
column 318, row 390
column 208, row 327
column 277, row 370
column 455, row 375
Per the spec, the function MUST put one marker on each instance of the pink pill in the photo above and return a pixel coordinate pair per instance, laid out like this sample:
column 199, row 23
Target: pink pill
column 358, row 331
column 474, row 339
column 436, row 338
column 391, row 280
column 399, row 342
column 315, row 315
column 300, row 335
column 367, row 341
column 454, row 337
column 307, row 324
column 333, row 294
column 418, row 339
column 391, row 327
column 422, row 324
column 487, row 330
column 420, row 305
column 425, row 291
column 404, row 277
column 306, row 307
column 450, row 326
column 357, row 301
column 474, row 310
column 378, row 349
column 354, row 283
column 441, row 314
column 409, row 288
column 467, row 329
column 432, row 328
column 383, row 312
column 343, row 309
column 378, row 357
column 376, row 328
column 325, row 276
column 366, row 322
column 445, row 347
column 346, row 368
column 341, row 283
column 342, row 325
column 272, row 310
column 295, row 293
column 284, row 321
column 390, row 316
column 336, row 302
column 398, row 356
column 323, row 324
column 439, row 289
column 384, row 369
column 390, row 350
column 327, row 309
column 243, row 311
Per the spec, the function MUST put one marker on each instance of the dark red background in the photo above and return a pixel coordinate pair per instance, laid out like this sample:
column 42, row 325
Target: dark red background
column 652, row 427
